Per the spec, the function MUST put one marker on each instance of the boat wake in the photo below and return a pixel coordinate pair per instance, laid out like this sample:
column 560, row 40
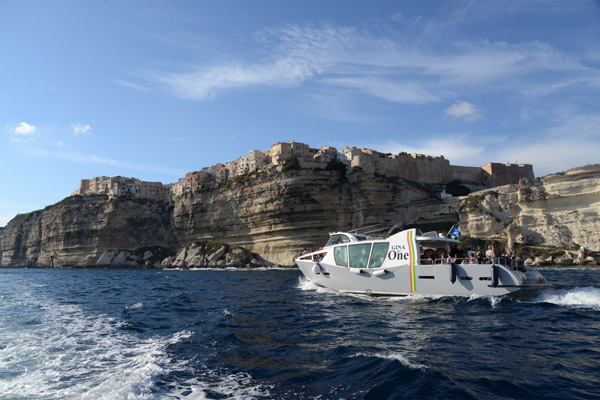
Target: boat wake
column 580, row 297
column 213, row 384
column 306, row 285
column 61, row 351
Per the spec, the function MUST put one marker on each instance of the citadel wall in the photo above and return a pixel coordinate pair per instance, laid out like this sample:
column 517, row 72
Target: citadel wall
column 411, row 166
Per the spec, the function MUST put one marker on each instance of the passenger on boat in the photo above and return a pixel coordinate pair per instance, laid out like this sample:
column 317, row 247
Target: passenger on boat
column 378, row 257
column 519, row 263
column 471, row 254
column 479, row 255
column 491, row 254
column 472, row 257
column 454, row 252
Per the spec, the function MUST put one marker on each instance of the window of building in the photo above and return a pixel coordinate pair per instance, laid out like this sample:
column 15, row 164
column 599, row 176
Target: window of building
column 359, row 255
column 341, row 256
column 378, row 255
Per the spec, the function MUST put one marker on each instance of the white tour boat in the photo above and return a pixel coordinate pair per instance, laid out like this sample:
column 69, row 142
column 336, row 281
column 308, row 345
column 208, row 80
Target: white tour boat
column 410, row 262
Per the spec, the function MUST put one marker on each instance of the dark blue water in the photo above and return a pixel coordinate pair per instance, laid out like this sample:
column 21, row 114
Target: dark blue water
column 210, row 334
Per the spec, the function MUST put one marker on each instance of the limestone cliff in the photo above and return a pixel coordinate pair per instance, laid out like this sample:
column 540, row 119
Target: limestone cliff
column 278, row 214
column 78, row 230
column 559, row 210
column 268, row 218
column 273, row 215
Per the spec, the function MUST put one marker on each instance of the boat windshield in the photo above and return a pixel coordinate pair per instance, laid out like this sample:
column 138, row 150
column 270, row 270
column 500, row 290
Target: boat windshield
column 337, row 239
column 359, row 255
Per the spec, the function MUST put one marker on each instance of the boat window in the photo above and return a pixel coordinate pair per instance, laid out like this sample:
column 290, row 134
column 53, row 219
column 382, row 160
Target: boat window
column 337, row 239
column 378, row 256
column 341, row 256
column 359, row 254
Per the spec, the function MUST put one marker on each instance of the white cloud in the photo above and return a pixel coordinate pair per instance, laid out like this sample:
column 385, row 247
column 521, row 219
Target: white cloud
column 551, row 156
column 205, row 83
column 398, row 92
column 378, row 64
column 464, row 110
column 132, row 85
column 23, row 129
column 81, row 129
column 93, row 159
column 573, row 142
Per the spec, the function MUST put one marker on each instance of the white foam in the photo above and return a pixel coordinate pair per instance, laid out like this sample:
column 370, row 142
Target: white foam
column 69, row 354
column 239, row 386
column 413, row 298
column 395, row 357
column 494, row 300
column 136, row 305
column 242, row 269
column 306, row 285
column 585, row 297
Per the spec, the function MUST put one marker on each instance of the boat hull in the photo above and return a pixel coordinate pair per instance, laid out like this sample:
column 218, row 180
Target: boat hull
column 406, row 280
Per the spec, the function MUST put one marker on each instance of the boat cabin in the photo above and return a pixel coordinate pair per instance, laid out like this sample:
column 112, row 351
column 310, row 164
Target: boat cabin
column 354, row 250
column 344, row 237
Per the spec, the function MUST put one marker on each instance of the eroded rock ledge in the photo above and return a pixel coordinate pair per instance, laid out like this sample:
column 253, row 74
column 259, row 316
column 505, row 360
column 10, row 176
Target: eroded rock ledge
column 559, row 210
column 263, row 219
column 268, row 218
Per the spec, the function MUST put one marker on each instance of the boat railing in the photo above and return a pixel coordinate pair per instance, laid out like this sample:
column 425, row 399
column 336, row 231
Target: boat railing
column 508, row 262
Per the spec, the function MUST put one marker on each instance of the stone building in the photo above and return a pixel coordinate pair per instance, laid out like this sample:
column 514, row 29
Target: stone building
column 505, row 174
column 218, row 171
column 411, row 166
column 152, row 190
column 119, row 186
column 190, row 182
column 434, row 169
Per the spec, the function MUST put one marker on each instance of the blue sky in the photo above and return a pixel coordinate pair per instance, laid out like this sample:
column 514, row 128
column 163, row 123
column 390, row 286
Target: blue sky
column 154, row 89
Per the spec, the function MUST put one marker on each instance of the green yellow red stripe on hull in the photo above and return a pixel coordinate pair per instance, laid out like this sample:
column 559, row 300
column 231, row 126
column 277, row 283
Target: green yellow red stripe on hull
column 413, row 260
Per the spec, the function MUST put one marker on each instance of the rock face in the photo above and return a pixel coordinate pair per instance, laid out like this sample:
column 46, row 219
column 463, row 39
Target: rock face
column 78, row 231
column 278, row 214
column 269, row 218
column 559, row 210
column 210, row 255
column 260, row 219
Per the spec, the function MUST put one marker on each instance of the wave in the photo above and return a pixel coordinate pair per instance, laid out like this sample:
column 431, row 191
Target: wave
column 66, row 353
column 494, row 300
column 212, row 384
column 136, row 305
column 394, row 357
column 243, row 269
column 307, row 285
column 584, row 297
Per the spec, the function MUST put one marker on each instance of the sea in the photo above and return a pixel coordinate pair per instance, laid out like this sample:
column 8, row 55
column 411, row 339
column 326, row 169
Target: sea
column 270, row 334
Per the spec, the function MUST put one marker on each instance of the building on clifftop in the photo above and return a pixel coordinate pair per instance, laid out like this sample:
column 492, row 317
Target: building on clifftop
column 119, row 186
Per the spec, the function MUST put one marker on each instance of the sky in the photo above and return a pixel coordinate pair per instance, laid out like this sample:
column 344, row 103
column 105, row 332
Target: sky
column 155, row 89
